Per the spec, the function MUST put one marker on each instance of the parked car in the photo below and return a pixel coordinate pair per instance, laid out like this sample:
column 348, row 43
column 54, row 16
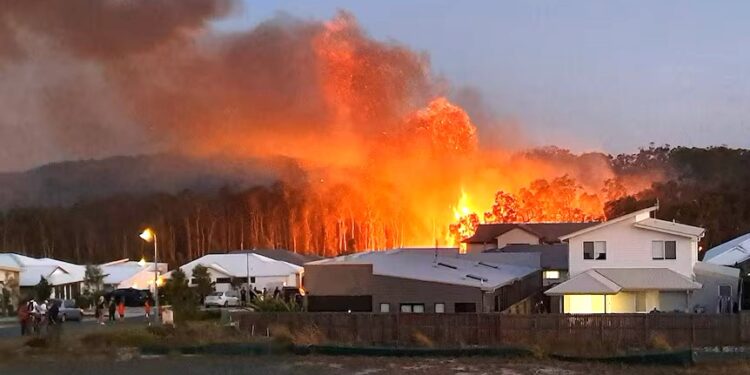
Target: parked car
column 228, row 298
column 68, row 309
column 132, row 297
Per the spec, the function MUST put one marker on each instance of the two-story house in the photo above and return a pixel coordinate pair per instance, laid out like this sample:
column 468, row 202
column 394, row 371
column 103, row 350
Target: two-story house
column 540, row 238
column 637, row 263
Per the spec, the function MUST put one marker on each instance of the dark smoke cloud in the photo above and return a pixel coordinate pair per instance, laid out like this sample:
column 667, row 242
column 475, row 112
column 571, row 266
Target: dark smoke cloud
column 85, row 78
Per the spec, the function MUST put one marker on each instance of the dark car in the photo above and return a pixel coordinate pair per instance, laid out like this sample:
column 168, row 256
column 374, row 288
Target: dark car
column 132, row 297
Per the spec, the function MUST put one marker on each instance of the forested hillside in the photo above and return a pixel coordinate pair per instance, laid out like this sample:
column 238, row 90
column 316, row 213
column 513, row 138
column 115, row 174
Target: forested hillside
column 212, row 210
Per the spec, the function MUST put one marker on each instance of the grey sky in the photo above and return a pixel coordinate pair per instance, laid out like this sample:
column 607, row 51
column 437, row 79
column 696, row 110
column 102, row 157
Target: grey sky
column 587, row 75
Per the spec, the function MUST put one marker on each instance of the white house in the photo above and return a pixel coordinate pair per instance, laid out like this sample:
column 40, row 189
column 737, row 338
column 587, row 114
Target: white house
column 262, row 272
column 125, row 273
column 730, row 253
column 637, row 263
column 66, row 278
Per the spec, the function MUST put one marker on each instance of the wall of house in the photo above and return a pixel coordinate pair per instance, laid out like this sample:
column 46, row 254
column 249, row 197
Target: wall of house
column 628, row 247
column 708, row 296
column 673, row 301
column 550, row 282
column 358, row 280
column 473, row 248
column 7, row 277
column 516, row 236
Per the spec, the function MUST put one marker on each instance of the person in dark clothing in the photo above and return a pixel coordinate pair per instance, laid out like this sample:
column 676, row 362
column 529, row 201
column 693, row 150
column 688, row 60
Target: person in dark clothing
column 54, row 322
column 24, row 317
column 276, row 292
column 112, row 309
column 243, row 297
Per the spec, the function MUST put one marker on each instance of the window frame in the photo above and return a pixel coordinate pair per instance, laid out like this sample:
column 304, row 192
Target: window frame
column 724, row 285
column 411, row 308
column 662, row 255
column 442, row 304
column 595, row 254
column 547, row 272
column 388, row 308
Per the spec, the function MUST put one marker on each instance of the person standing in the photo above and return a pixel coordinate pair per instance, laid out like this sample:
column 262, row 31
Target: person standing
column 23, row 318
column 41, row 314
column 147, row 311
column 243, row 297
column 100, row 310
column 276, row 293
column 112, row 308
column 54, row 324
column 121, row 308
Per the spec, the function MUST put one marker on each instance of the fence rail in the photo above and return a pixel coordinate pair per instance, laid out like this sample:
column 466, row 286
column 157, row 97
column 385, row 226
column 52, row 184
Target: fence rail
column 610, row 331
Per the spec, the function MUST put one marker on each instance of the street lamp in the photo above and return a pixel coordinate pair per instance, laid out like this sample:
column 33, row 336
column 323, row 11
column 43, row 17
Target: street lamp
column 149, row 235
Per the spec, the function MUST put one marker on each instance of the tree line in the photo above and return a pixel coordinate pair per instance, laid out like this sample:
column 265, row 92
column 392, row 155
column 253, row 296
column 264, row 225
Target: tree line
column 708, row 187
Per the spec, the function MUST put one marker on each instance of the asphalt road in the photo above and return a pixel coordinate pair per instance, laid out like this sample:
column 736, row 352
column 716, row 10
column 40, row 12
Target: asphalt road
column 132, row 315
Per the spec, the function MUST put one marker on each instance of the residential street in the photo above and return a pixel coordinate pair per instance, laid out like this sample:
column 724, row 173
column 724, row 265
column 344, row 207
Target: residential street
column 133, row 315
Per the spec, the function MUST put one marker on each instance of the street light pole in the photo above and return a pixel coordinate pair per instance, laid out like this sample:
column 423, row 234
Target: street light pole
column 149, row 235
column 156, row 280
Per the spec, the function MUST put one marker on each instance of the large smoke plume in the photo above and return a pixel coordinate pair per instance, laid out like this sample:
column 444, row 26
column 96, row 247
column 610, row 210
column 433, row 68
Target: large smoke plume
column 85, row 79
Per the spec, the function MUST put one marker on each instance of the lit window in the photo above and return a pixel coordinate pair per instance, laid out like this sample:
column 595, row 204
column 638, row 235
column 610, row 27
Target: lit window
column 385, row 308
column 663, row 250
column 552, row 275
column 640, row 302
column 595, row 250
column 412, row 308
column 439, row 308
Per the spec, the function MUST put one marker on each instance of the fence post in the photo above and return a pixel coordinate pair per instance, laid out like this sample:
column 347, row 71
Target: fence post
column 398, row 329
column 692, row 331
column 477, row 323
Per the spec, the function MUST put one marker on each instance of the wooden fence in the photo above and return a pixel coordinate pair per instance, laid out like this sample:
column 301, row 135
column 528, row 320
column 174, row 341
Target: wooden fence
column 599, row 331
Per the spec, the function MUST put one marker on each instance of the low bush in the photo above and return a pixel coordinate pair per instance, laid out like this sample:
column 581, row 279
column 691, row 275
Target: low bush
column 119, row 338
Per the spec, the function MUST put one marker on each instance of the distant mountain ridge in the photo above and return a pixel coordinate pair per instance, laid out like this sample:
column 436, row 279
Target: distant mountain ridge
column 70, row 182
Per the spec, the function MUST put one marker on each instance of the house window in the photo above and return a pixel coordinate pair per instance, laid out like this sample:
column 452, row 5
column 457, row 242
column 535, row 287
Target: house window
column 462, row 307
column 663, row 250
column 385, row 307
column 725, row 291
column 595, row 250
column 223, row 280
column 439, row 308
column 640, row 302
column 552, row 275
column 412, row 307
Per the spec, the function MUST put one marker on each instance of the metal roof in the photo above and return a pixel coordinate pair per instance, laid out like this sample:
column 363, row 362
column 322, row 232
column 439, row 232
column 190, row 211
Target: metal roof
column 553, row 256
column 670, row 227
column 547, row 232
column 436, row 267
column 613, row 280
column 236, row 265
column 119, row 271
column 730, row 253
column 282, row 255
column 56, row 272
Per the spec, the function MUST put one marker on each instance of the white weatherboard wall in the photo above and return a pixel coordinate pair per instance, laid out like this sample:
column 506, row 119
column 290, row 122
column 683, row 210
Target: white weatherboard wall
column 630, row 247
column 516, row 236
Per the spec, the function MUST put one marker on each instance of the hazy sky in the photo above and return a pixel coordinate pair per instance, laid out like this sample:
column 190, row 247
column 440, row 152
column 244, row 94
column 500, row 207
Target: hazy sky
column 609, row 75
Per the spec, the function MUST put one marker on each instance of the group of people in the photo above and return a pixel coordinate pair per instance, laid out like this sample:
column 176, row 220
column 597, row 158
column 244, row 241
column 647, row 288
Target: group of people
column 36, row 317
column 252, row 294
column 114, row 307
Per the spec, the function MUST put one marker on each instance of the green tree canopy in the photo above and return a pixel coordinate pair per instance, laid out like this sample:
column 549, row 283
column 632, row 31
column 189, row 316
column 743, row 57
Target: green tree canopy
column 43, row 289
column 202, row 281
column 93, row 280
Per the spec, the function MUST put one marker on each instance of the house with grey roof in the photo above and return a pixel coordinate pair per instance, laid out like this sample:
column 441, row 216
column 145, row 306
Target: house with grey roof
column 734, row 253
column 423, row 281
column 638, row 263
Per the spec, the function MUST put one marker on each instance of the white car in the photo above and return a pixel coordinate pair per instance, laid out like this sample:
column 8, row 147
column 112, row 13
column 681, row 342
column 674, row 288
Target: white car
column 228, row 298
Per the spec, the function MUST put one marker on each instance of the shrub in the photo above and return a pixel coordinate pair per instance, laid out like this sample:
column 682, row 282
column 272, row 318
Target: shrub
column 420, row 339
column 309, row 335
column 281, row 333
column 119, row 338
column 274, row 305
column 659, row 342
